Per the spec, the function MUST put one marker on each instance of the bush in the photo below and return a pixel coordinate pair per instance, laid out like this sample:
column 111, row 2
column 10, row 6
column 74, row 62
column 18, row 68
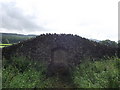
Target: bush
column 24, row 73
column 98, row 74
column 21, row 73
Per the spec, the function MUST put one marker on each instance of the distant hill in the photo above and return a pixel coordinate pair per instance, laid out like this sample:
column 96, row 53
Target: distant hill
column 9, row 38
column 95, row 40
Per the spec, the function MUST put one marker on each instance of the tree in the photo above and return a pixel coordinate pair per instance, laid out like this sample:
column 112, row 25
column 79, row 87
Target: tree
column 109, row 43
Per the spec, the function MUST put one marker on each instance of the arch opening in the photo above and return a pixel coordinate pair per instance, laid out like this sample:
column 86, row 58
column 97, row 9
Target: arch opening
column 59, row 64
column 59, row 55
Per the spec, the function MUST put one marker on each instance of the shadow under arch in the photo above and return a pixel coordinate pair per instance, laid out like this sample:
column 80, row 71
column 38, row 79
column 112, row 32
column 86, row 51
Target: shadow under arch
column 58, row 64
column 59, row 55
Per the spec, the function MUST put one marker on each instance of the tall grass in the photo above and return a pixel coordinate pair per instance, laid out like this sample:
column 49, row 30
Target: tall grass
column 98, row 74
column 19, row 72
column 4, row 45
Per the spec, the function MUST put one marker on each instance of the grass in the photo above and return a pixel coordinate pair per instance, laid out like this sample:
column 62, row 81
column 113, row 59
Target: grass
column 23, row 73
column 4, row 45
column 98, row 74
column 20, row 73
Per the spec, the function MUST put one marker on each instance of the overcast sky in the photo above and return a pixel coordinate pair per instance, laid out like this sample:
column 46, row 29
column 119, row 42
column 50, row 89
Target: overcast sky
column 96, row 19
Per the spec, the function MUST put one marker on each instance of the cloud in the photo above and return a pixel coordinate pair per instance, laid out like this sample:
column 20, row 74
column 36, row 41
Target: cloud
column 13, row 18
column 89, row 19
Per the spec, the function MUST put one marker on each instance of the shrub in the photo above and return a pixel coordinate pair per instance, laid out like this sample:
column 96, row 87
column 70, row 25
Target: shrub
column 98, row 74
column 24, row 73
column 21, row 73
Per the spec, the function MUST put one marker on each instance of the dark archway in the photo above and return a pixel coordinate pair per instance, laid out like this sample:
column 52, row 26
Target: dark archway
column 59, row 55
column 59, row 62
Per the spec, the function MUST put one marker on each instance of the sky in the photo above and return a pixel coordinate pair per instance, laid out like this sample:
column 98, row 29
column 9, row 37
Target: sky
column 93, row 19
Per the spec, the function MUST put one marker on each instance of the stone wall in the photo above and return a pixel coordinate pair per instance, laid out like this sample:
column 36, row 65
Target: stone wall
column 59, row 48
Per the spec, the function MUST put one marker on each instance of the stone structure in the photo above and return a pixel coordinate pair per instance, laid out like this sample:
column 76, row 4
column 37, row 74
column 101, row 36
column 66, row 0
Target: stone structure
column 55, row 49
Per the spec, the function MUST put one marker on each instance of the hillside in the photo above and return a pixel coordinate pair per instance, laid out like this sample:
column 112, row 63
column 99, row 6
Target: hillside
column 9, row 38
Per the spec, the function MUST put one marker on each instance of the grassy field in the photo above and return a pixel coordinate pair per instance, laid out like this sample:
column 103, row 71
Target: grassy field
column 23, row 73
column 4, row 45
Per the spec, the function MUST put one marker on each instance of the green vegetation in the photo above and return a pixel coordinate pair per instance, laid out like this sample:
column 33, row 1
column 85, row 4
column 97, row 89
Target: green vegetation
column 10, row 38
column 23, row 73
column 4, row 45
column 108, row 43
column 98, row 74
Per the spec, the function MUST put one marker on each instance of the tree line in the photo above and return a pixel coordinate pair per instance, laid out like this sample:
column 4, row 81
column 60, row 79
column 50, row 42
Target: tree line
column 8, row 38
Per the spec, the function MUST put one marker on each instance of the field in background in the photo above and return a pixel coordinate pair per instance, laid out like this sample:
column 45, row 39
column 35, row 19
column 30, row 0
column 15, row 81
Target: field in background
column 23, row 73
column 4, row 45
column 10, row 38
